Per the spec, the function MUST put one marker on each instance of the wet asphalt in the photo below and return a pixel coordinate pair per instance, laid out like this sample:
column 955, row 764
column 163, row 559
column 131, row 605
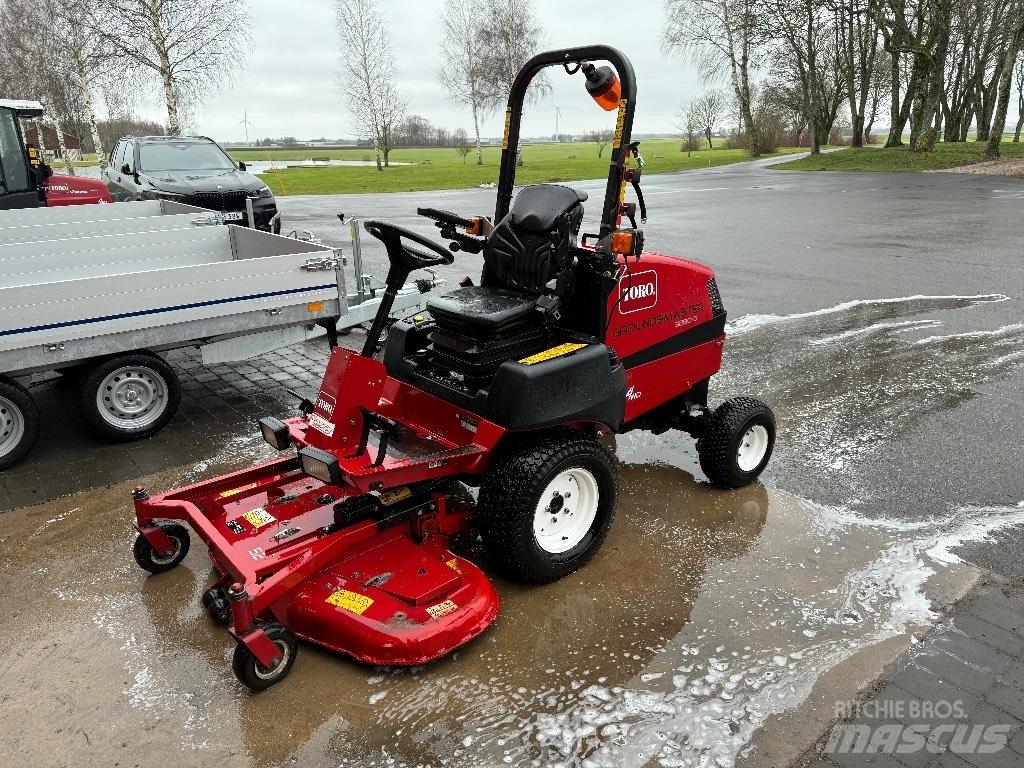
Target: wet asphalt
column 880, row 316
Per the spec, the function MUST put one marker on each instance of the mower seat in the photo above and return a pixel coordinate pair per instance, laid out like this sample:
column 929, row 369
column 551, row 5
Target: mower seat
column 525, row 252
column 479, row 311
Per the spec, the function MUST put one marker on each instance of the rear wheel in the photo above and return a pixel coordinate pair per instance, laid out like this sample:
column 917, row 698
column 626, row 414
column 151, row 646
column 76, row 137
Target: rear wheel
column 129, row 397
column 545, row 509
column 737, row 443
column 254, row 675
column 19, row 423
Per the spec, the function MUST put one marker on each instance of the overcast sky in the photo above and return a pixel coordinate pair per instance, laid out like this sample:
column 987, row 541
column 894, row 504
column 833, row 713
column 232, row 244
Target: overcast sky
column 289, row 85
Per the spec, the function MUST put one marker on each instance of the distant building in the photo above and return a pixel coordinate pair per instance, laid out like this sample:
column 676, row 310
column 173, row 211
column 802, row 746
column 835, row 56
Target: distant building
column 50, row 142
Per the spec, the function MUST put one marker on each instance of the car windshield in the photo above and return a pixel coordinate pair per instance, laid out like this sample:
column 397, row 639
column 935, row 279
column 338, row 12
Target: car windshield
column 183, row 156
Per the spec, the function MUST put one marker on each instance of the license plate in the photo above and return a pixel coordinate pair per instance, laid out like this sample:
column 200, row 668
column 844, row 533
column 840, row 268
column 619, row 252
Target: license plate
column 234, row 216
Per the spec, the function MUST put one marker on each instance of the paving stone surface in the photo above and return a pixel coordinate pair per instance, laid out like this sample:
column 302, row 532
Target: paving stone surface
column 962, row 688
column 215, row 399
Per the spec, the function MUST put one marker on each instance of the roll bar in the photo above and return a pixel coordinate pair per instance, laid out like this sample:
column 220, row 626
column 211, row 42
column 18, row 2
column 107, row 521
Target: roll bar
column 623, row 125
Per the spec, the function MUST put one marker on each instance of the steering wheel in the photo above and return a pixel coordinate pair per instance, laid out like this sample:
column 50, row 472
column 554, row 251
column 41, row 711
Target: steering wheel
column 405, row 255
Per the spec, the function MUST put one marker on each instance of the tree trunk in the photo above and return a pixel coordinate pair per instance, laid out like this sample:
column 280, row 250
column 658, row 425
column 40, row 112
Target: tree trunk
column 476, row 129
column 1003, row 101
column 171, row 97
column 68, row 166
column 895, row 138
column 857, row 137
column 1020, row 124
column 90, row 113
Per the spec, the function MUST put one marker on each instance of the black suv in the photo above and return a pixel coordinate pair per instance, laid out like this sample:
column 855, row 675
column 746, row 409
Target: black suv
column 189, row 169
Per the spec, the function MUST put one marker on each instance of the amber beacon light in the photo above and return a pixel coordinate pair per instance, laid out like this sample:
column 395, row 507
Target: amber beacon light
column 603, row 86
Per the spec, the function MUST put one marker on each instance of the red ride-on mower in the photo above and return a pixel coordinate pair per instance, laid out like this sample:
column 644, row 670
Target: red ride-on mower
column 344, row 541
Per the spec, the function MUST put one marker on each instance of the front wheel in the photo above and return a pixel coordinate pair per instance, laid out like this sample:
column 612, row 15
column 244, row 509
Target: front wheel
column 545, row 509
column 150, row 560
column 737, row 443
column 254, row 675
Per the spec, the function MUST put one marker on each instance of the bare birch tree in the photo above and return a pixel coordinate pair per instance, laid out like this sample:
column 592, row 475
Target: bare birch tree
column 707, row 110
column 1018, row 79
column 367, row 76
column 723, row 37
column 40, row 66
column 462, row 61
column 511, row 34
column 190, row 46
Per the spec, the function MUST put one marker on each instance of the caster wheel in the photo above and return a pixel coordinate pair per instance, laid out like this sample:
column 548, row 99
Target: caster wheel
column 149, row 560
column 216, row 604
column 254, row 675
column 738, row 442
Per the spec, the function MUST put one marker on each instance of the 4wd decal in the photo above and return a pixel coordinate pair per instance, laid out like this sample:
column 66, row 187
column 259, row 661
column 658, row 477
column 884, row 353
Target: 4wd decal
column 638, row 291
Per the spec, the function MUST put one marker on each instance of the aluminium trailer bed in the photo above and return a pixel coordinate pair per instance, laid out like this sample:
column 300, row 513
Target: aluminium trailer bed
column 105, row 305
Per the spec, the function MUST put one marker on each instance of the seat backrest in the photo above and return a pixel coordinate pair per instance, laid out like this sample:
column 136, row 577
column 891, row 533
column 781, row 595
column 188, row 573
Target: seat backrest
column 532, row 244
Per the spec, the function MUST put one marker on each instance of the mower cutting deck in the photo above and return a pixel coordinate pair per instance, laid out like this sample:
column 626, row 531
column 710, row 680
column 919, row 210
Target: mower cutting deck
column 507, row 387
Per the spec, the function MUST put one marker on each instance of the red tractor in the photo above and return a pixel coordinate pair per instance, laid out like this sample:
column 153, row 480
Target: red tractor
column 26, row 181
column 506, row 388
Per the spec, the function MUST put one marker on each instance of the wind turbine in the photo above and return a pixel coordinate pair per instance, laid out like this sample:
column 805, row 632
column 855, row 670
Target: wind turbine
column 558, row 114
column 245, row 122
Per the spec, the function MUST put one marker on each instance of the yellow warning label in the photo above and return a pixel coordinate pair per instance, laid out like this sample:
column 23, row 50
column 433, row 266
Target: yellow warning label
column 350, row 601
column 551, row 354
column 508, row 126
column 387, row 498
column 442, row 608
column 259, row 517
column 454, row 565
column 236, row 491
column 620, row 124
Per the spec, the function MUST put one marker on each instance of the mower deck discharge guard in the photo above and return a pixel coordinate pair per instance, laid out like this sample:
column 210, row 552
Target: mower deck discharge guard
column 508, row 386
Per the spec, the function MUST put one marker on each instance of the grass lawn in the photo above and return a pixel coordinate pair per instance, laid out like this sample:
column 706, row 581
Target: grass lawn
column 442, row 168
column 899, row 158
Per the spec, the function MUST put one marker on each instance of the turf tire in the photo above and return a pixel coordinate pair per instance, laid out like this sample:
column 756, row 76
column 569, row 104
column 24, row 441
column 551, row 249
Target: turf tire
column 719, row 446
column 512, row 489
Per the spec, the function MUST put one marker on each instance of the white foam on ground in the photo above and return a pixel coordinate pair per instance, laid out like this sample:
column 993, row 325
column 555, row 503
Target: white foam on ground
column 903, row 326
column 993, row 333
column 750, row 322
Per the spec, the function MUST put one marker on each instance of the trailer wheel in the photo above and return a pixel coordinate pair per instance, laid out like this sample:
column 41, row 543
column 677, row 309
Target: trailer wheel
column 738, row 442
column 149, row 560
column 254, row 675
column 19, row 423
column 129, row 397
column 545, row 509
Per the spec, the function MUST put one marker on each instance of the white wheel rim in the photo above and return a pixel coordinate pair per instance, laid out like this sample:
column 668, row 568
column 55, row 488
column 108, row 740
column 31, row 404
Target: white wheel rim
column 269, row 673
column 752, row 448
column 12, row 426
column 132, row 397
column 566, row 511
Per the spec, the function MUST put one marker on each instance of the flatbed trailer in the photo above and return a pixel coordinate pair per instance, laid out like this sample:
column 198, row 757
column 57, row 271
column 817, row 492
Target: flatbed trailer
column 99, row 292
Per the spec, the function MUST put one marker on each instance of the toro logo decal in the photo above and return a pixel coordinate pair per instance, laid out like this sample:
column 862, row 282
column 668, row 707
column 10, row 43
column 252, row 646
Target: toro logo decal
column 638, row 291
column 326, row 403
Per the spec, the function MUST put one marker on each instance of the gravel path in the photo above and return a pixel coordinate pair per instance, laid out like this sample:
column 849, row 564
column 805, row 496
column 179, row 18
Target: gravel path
column 1004, row 166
